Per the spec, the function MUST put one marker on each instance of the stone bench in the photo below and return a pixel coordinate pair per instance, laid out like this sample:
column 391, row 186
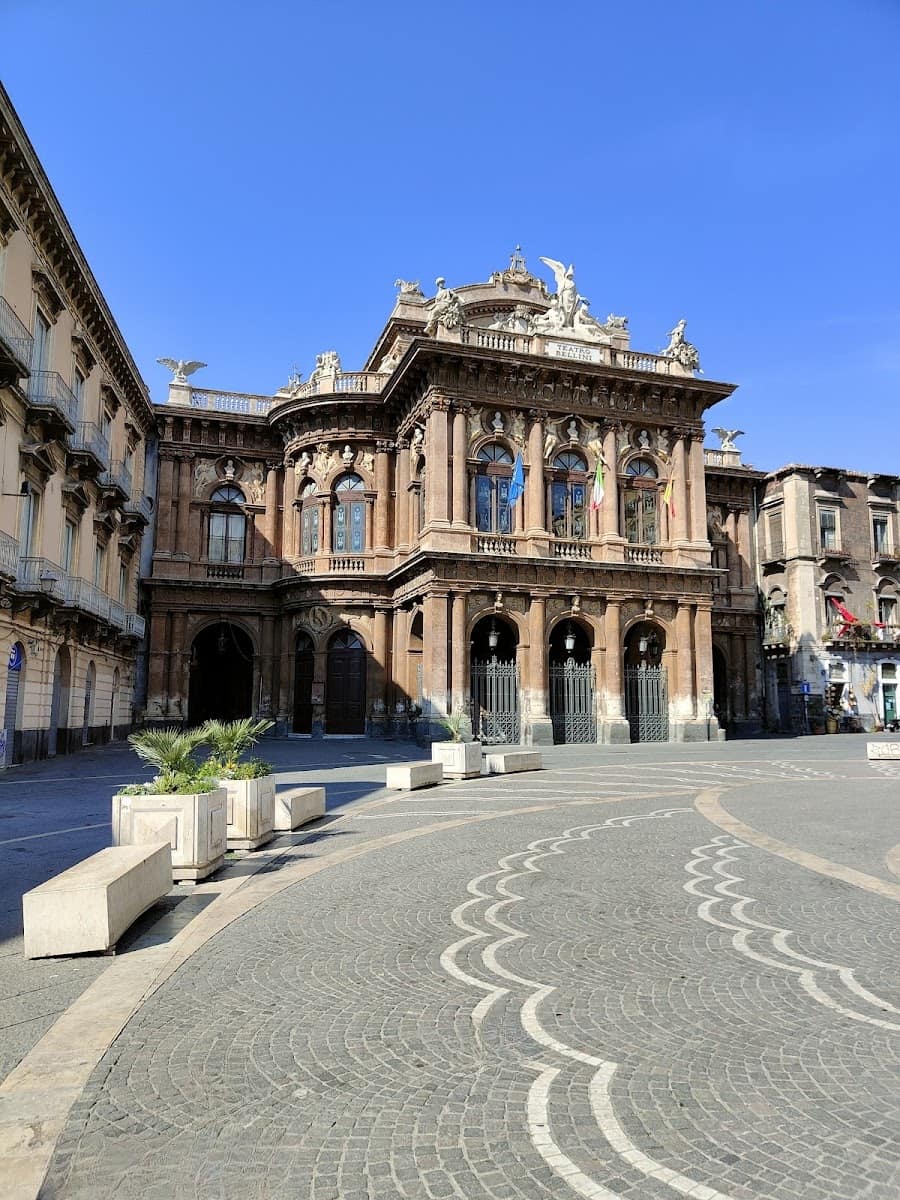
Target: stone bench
column 296, row 807
column 883, row 750
column 89, row 907
column 512, row 761
column 411, row 775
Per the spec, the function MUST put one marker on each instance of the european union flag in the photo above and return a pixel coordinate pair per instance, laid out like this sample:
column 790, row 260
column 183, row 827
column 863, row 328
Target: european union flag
column 517, row 483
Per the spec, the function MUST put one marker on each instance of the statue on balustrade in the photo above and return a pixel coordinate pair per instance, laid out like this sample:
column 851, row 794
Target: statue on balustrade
column 680, row 349
column 446, row 309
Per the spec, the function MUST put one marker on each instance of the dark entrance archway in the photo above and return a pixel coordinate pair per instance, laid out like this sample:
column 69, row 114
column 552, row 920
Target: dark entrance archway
column 646, row 683
column 721, row 704
column 494, row 674
column 345, row 686
column 59, row 701
column 571, row 684
column 304, row 664
column 221, row 682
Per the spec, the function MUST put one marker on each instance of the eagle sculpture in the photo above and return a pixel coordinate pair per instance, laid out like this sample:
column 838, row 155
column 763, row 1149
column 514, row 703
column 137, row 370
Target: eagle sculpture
column 181, row 367
column 728, row 436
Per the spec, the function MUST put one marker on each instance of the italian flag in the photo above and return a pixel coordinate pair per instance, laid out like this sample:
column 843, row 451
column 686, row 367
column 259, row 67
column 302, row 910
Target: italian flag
column 667, row 497
column 597, row 489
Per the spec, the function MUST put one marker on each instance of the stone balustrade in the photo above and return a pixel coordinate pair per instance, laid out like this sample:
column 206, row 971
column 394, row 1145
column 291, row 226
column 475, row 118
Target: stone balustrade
column 572, row 549
column 234, row 402
column 495, row 544
column 643, row 555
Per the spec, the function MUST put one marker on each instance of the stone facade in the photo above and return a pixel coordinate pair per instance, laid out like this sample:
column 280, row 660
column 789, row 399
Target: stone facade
column 829, row 550
column 346, row 557
column 76, row 416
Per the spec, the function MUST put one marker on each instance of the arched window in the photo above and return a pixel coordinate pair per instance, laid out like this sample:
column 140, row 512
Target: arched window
column 349, row 526
column 227, row 525
column 639, row 499
column 494, row 472
column 568, row 496
column 309, row 519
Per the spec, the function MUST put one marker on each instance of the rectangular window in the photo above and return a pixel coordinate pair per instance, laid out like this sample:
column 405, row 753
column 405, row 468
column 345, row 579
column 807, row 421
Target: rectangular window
column 70, row 537
column 504, row 523
column 558, row 509
column 828, row 529
column 357, row 528
column 78, row 391
column 340, row 528
column 887, row 610
column 881, row 533
column 226, row 537
column 100, row 567
column 776, row 536
column 40, row 352
column 28, row 523
column 483, row 521
column 309, row 530
column 105, row 422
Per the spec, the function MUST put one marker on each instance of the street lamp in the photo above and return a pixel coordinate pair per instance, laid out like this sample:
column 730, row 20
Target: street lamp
column 569, row 641
column 493, row 636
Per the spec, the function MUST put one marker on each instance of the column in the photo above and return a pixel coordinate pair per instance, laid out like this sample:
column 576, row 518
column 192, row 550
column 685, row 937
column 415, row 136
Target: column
column 679, row 524
column 684, row 665
column 164, row 508
column 251, row 547
column 750, row 677
column 613, row 665
column 437, row 466
column 383, row 495
column 270, row 519
column 703, row 655
column 459, row 651
column 537, row 656
column 179, row 657
column 698, row 492
column 743, row 547
column 325, row 512
column 382, row 642
column 158, row 669
column 267, row 653
column 732, row 557
column 608, row 517
column 282, row 653
column 288, row 548
column 182, row 528
column 434, row 673
column 460, row 470
column 401, row 504
column 738, row 687
column 535, row 492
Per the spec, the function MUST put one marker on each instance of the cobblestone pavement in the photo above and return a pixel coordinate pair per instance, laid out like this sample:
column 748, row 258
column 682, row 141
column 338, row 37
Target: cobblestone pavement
column 568, row 983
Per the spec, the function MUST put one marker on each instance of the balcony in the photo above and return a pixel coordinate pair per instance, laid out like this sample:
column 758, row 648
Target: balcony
column 242, row 403
column 138, row 509
column 861, row 634
column 52, row 403
column 40, row 577
column 221, row 570
column 87, row 453
column 643, row 555
column 85, row 598
column 133, row 626
column 885, row 558
column 115, row 485
column 346, row 564
column 9, row 556
column 572, row 549
column 495, row 544
column 117, row 615
column 835, row 554
column 15, row 347
column 777, row 636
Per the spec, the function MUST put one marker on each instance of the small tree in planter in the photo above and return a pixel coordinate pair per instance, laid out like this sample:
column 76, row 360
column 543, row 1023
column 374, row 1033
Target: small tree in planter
column 249, row 783
column 183, row 804
column 461, row 755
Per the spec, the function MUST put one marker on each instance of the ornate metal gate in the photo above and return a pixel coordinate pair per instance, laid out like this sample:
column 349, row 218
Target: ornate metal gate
column 495, row 702
column 647, row 703
column 572, row 702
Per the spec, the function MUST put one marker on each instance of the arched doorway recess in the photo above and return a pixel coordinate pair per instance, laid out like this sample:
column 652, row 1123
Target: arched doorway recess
column 15, row 696
column 646, row 683
column 221, row 681
column 90, row 684
column 304, row 667
column 572, row 684
column 494, row 677
column 345, row 686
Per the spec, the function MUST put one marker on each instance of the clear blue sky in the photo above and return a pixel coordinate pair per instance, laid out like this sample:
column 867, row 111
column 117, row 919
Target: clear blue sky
column 247, row 180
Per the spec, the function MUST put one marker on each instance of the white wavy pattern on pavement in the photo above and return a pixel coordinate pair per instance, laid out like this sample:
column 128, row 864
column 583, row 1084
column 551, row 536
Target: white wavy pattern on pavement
column 502, row 897
column 710, row 866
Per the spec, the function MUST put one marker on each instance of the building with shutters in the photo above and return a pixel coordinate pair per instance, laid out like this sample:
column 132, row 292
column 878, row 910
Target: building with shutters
column 350, row 557
column 76, row 418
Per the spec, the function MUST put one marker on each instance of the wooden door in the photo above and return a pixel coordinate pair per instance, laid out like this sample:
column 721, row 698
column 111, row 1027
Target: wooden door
column 345, row 688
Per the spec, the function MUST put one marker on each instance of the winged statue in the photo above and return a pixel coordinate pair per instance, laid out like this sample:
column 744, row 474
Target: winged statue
column 181, row 367
column 566, row 297
column 728, row 436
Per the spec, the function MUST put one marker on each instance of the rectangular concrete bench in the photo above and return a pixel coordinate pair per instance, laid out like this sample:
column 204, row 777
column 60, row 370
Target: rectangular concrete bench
column 512, row 761
column 89, row 907
column 296, row 807
column 883, row 750
column 412, row 775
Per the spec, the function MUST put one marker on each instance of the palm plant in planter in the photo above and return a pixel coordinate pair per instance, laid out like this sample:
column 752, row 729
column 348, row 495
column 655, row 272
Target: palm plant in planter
column 461, row 755
column 248, row 782
column 183, row 804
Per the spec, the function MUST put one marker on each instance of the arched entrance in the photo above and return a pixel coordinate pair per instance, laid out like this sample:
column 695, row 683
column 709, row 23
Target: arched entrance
column 114, row 705
column 15, row 695
column 90, row 683
column 494, row 674
column 572, row 684
column 721, row 703
column 59, row 700
column 646, row 684
column 345, row 686
column 221, row 681
column 304, row 666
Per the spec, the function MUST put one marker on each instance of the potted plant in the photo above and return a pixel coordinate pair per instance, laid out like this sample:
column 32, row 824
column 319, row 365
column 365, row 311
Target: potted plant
column 461, row 755
column 183, row 804
column 249, row 783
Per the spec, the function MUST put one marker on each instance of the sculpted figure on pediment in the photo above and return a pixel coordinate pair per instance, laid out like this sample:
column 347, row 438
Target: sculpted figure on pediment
column 204, row 474
column 367, row 461
column 446, row 309
column 680, row 349
column 593, row 439
column 476, row 429
column 517, row 428
column 324, row 460
column 255, row 483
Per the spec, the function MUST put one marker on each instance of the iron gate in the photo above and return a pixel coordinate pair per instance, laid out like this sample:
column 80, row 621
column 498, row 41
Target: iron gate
column 647, row 703
column 572, row 702
column 495, row 702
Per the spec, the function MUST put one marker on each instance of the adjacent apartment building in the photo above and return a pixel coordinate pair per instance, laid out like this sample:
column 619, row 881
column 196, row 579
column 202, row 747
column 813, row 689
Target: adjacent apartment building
column 76, row 419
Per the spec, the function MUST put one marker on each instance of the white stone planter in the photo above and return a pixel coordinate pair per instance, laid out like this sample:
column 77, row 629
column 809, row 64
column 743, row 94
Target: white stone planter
column 461, row 760
column 250, row 812
column 193, row 825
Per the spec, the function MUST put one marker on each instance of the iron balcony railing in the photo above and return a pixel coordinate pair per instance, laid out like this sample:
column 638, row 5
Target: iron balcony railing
column 15, row 338
column 86, row 597
column 134, row 625
column 88, row 438
column 116, row 614
column 140, row 506
column 777, row 633
column 41, row 576
column 48, row 389
column 118, row 476
column 9, row 555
